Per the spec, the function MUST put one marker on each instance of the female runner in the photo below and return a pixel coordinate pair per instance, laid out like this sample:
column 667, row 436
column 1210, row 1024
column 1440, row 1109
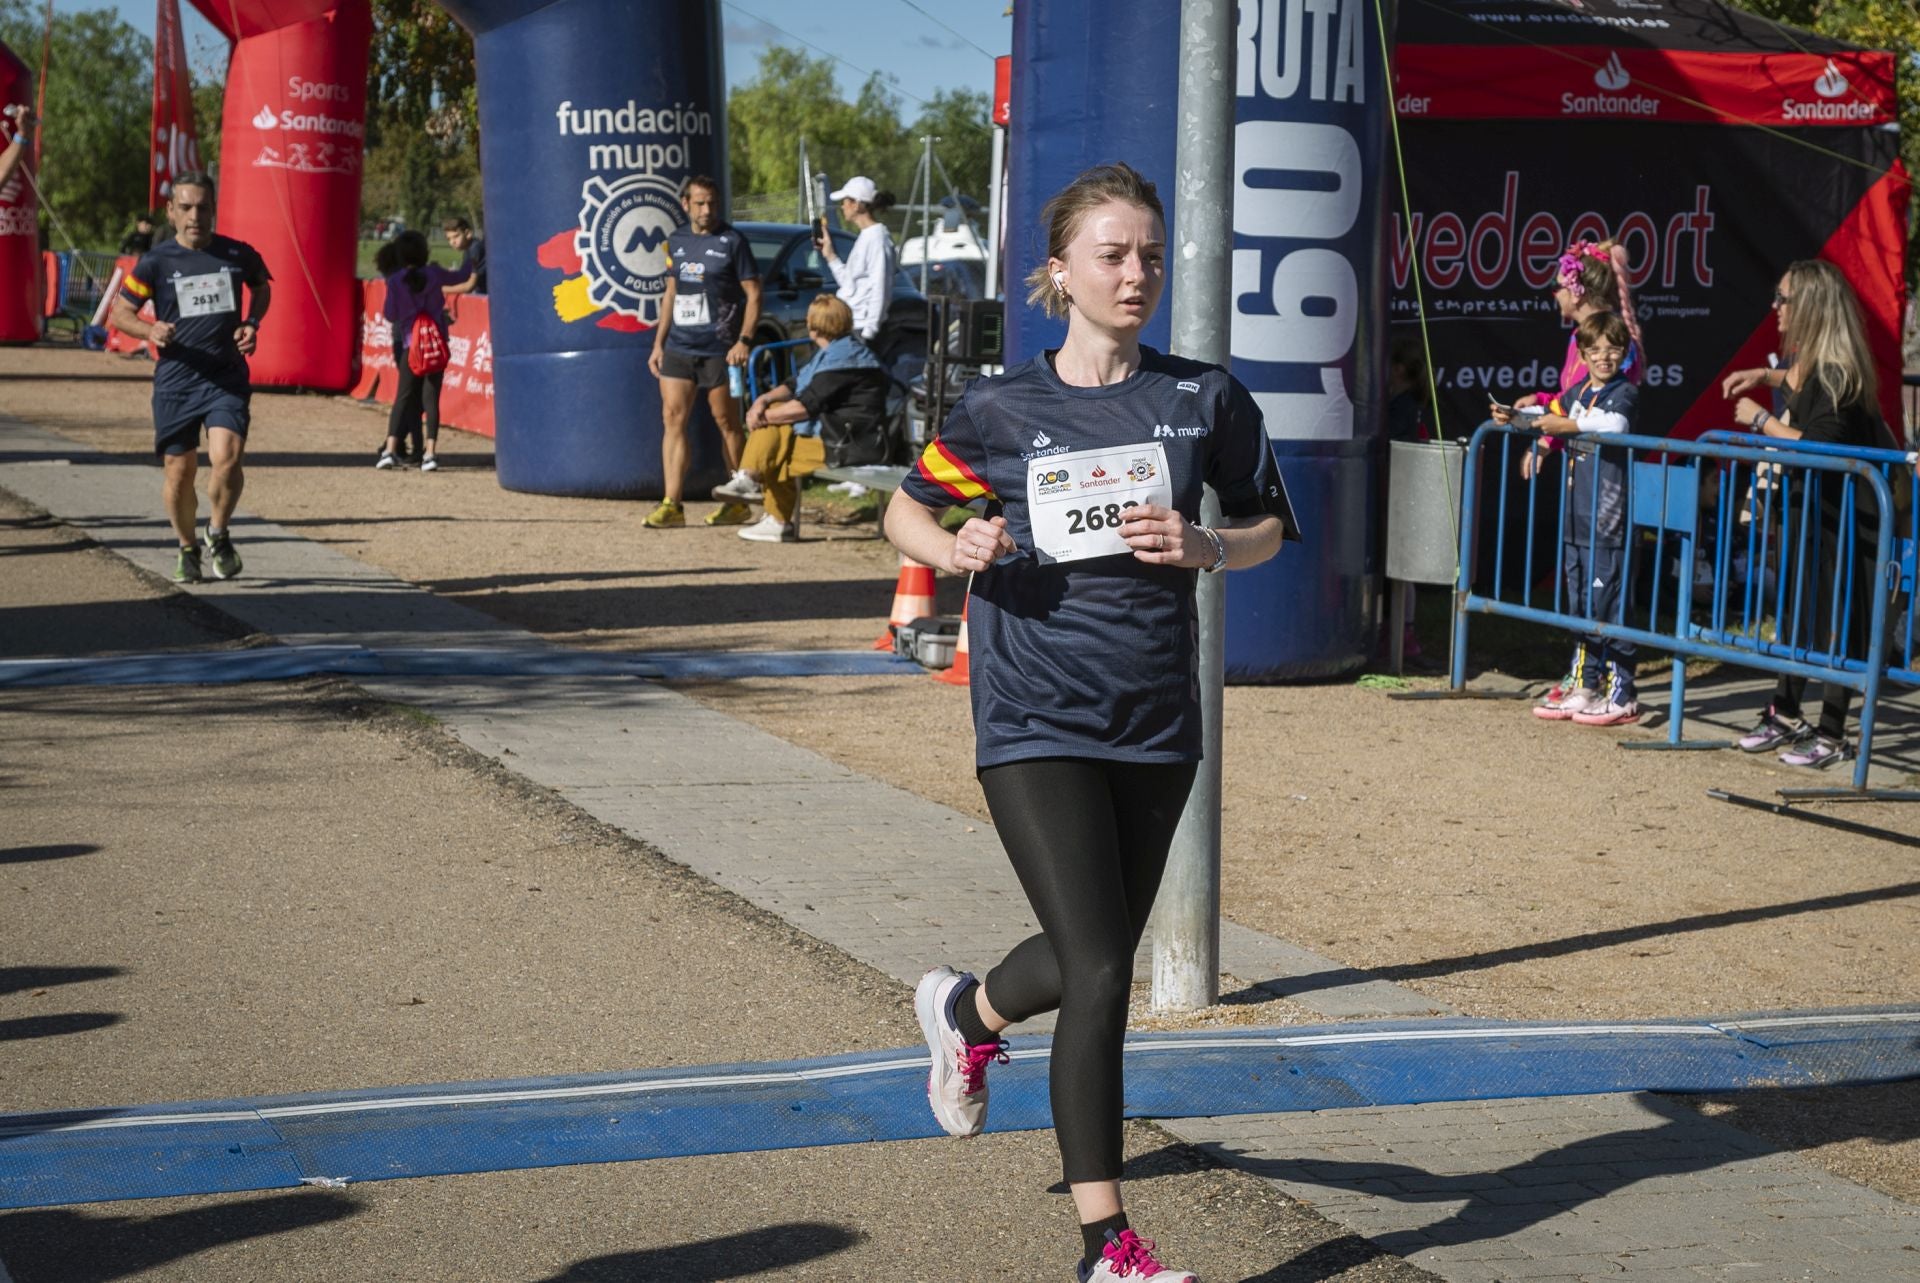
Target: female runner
column 1083, row 641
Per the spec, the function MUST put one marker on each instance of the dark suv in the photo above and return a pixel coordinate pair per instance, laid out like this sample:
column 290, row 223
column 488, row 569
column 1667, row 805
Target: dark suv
column 792, row 273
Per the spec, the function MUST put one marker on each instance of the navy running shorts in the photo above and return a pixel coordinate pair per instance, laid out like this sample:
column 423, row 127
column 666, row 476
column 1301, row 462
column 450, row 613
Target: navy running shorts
column 176, row 430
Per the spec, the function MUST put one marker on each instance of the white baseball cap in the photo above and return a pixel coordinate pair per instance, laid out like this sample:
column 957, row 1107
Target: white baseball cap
column 860, row 188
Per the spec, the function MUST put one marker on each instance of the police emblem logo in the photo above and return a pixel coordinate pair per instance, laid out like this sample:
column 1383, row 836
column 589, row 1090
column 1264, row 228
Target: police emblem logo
column 622, row 242
column 1141, row 470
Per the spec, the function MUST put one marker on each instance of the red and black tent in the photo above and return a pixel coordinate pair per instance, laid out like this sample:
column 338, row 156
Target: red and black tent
column 1716, row 145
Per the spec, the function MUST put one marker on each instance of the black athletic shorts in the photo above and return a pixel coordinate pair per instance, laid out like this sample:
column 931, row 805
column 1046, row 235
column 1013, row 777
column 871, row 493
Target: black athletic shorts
column 176, row 428
column 706, row 372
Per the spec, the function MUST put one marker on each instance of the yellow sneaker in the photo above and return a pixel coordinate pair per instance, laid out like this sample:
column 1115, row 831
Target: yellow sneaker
column 667, row 516
column 730, row 514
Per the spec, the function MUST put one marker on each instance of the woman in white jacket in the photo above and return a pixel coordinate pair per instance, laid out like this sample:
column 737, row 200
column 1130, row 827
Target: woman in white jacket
column 865, row 278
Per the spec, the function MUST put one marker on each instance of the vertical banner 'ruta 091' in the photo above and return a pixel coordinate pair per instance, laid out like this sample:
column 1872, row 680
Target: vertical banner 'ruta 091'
column 1096, row 82
column 19, row 227
column 292, row 136
column 592, row 115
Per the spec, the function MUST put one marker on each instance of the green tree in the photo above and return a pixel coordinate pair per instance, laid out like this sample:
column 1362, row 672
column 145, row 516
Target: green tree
column 959, row 118
column 423, row 138
column 793, row 96
column 99, row 97
column 209, row 97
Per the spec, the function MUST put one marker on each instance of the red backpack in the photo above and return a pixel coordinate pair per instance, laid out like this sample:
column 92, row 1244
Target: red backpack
column 426, row 346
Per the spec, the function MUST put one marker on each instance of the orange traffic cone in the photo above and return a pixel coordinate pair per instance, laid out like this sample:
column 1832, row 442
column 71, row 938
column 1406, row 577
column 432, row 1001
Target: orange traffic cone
column 958, row 675
column 912, row 598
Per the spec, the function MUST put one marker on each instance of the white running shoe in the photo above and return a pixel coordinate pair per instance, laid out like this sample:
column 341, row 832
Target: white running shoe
column 742, row 485
column 1564, row 703
column 957, row 1082
column 1128, row 1256
column 770, row 530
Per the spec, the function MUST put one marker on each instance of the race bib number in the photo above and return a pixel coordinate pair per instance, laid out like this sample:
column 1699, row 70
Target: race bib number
column 207, row 295
column 1075, row 500
column 691, row 309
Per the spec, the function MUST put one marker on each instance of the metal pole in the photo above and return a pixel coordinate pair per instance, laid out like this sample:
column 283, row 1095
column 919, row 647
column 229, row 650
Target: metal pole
column 926, row 202
column 994, row 211
column 1186, row 922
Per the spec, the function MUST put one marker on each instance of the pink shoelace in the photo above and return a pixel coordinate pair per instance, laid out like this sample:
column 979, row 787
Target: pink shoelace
column 974, row 1061
column 1130, row 1254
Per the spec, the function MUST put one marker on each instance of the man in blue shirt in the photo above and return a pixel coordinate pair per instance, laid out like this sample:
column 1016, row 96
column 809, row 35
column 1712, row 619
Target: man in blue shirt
column 712, row 302
column 473, row 256
column 209, row 293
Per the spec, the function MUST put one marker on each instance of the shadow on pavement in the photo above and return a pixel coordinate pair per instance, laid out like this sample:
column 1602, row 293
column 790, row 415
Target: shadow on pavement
column 67, row 1022
column 736, row 1256
column 1496, row 1204
column 48, row 851
column 1589, row 940
column 21, row 979
column 64, row 1245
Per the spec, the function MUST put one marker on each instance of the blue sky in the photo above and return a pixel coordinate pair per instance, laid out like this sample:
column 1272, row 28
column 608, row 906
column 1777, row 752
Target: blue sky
column 903, row 37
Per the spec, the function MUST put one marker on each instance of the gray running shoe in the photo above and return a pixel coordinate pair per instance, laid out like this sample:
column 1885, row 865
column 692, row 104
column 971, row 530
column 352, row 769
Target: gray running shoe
column 957, row 1080
column 186, row 567
column 1775, row 731
column 226, row 562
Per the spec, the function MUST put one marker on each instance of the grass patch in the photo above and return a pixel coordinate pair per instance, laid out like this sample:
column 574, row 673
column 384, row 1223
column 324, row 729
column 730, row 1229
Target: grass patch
column 438, row 252
column 832, row 507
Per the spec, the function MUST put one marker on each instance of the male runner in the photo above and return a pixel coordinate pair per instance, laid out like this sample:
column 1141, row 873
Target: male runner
column 204, row 332
column 712, row 302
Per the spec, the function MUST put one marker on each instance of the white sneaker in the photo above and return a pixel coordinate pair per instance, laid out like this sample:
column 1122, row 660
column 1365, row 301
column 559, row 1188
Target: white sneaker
column 1128, row 1256
column 429, row 464
column 768, row 530
column 742, row 485
column 957, row 1082
column 1563, row 704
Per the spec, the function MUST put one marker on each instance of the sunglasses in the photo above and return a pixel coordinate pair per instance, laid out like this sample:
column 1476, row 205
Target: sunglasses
column 1781, row 300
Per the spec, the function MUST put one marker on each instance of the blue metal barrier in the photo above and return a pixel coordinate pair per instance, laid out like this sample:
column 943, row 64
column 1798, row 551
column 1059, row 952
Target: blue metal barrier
column 772, row 352
column 1898, row 467
column 1663, row 482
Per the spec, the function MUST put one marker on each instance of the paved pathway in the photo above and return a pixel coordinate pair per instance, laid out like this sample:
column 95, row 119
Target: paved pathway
column 1583, row 1188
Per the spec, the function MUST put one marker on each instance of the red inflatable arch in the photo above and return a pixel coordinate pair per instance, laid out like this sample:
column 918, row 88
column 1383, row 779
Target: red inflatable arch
column 19, row 233
column 291, row 140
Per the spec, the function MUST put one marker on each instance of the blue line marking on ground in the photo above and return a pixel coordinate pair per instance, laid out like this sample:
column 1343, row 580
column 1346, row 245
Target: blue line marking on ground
column 212, row 1147
column 280, row 663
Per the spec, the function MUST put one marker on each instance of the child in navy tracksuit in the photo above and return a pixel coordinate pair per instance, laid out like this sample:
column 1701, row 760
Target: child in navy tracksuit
column 1599, row 689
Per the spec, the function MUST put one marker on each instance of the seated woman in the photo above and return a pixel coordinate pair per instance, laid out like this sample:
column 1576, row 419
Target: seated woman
column 831, row 414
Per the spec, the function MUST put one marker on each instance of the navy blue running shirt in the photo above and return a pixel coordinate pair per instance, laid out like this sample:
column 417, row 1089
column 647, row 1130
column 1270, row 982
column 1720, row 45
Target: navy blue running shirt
column 709, row 305
column 198, row 292
column 1096, row 657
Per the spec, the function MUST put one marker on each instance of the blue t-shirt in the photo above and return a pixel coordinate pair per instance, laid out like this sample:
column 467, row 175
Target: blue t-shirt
column 1095, row 657
column 197, row 291
column 709, row 304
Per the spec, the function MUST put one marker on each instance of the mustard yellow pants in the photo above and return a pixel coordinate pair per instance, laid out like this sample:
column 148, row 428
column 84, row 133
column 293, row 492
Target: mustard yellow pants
column 779, row 456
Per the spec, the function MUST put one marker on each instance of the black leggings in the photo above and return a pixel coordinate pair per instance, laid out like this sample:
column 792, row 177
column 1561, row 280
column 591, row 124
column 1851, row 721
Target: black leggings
column 1816, row 612
column 416, row 396
column 1088, row 840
